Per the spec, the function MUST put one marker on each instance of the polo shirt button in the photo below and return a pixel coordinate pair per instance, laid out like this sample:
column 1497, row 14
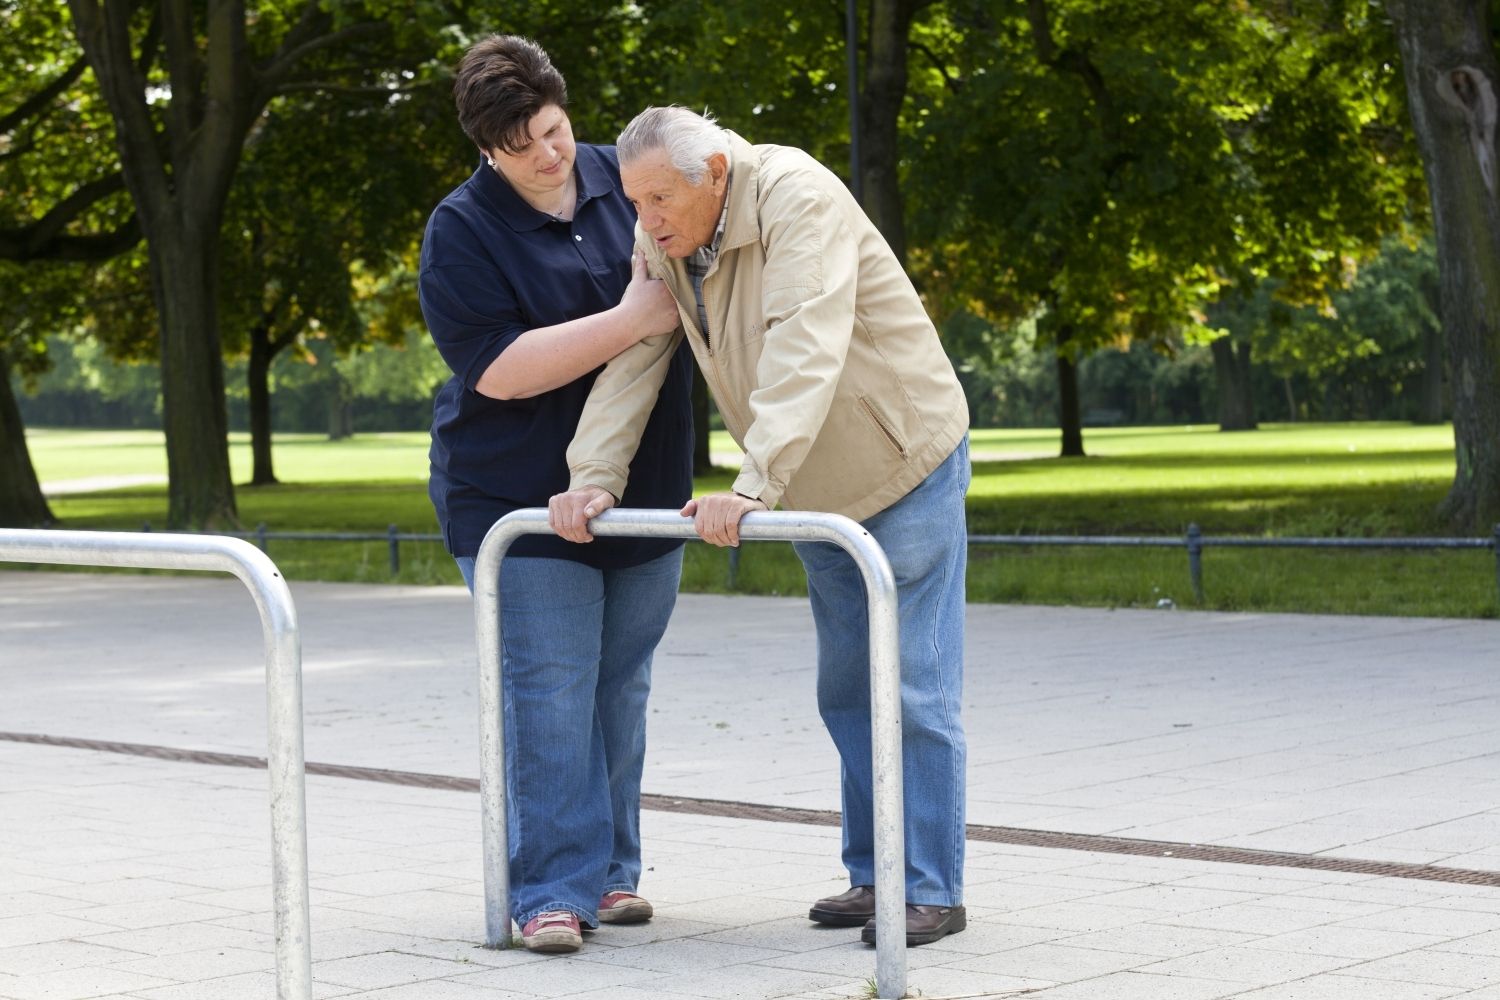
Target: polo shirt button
column 578, row 238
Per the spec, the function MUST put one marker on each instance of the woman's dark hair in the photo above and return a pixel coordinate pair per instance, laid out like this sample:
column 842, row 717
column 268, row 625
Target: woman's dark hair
column 502, row 82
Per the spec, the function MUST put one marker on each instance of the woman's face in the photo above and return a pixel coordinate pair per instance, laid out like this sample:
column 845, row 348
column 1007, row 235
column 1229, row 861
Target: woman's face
column 545, row 164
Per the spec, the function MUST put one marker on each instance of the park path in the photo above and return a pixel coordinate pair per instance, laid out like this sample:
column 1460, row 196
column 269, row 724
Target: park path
column 1343, row 771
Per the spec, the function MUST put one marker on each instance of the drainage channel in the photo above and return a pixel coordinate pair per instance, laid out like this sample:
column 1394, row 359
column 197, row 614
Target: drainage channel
column 1014, row 836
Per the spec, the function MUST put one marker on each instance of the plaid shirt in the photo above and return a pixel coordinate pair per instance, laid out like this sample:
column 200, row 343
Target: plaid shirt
column 702, row 259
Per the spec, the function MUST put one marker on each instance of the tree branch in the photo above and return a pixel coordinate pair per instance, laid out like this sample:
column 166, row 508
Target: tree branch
column 45, row 239
column 1075, row 61
column 298, row 46
column 70, row 208
column 952, row 83
column 36, row 102
column 328, row 87
column 105, row 37
column 184, row 70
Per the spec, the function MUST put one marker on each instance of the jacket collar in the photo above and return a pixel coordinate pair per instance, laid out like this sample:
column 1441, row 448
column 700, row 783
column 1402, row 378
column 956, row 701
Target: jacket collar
column 743, row 225
column 593, row 179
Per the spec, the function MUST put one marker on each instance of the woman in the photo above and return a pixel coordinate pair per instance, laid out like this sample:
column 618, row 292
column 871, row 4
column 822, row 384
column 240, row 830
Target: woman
column 528, row 286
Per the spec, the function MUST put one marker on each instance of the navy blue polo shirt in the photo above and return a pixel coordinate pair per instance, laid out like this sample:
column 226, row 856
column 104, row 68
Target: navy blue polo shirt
column 493, row 268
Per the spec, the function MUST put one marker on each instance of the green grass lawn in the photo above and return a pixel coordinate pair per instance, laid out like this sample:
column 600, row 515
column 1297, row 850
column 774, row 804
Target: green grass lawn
column 1330, row 480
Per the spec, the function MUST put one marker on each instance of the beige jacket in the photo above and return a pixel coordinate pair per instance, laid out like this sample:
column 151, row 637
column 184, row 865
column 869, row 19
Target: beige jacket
column 822, row 360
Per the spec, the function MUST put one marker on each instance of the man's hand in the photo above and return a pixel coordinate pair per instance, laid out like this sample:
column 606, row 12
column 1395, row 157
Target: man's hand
column 569, row 513
column 716, row 517
column 647, row 303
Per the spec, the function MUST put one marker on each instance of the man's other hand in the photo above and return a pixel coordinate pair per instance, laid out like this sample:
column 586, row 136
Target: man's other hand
column 569, row 513
column 716, row 517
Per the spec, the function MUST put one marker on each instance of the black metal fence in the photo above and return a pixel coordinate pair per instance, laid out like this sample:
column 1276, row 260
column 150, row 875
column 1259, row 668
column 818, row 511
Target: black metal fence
column 1193, row 543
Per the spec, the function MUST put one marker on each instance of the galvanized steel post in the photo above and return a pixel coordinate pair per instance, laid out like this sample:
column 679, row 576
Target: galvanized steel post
column 885, row 703
column 283, row 643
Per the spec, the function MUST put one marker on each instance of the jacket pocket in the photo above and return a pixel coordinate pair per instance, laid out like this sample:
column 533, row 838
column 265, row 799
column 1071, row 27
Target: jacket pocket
column 883, row 425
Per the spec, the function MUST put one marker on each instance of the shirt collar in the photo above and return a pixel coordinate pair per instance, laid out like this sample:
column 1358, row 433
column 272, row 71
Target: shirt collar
column 593, row 179
column 711, row 251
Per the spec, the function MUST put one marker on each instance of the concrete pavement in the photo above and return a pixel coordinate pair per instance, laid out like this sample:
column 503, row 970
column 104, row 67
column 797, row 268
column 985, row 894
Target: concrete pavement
column 1317, row 737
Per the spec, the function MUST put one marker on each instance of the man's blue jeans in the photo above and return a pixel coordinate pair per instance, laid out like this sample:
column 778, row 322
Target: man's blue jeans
column 577, row 667
column 925, row 538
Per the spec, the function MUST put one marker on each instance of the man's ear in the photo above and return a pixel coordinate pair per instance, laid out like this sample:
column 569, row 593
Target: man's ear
column 718, row 168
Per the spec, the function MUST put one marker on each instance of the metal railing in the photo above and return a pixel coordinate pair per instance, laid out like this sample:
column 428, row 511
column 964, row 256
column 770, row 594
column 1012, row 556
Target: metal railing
column 1194, row 542
column 393, row 536
column 885, row 703
column 283, row 643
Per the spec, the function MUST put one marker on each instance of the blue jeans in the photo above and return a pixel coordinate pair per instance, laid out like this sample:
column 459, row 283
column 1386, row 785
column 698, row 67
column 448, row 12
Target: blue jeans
column 577, row 670
column 925, row 538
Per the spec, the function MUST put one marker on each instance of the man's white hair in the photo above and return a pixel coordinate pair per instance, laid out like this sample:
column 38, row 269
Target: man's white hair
column 687, row 138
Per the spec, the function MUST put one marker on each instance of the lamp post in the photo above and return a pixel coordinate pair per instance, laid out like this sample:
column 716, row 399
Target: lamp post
column 851, row 47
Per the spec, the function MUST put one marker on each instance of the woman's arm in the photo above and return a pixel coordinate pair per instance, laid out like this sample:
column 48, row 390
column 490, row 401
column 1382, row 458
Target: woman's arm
column 547, row 357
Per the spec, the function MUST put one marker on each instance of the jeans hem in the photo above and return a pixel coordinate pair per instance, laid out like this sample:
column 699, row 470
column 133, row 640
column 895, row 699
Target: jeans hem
column 586, row 919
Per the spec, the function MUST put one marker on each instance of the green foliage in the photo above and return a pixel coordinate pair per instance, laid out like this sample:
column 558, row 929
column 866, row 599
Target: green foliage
column 61, row 196
column 774, row 72
column 1370, row 336
column 1112, row 166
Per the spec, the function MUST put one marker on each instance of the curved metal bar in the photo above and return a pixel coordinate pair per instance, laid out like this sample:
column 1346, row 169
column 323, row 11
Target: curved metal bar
column 283, row 644
column 885, row 702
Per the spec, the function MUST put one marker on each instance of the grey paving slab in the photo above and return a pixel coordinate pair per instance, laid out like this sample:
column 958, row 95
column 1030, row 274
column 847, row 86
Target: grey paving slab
column 135, row 878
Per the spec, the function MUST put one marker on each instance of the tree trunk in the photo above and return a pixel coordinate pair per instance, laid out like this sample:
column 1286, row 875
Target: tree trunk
column 880, row 115
column 702, row 460
column 1430, row 400
column 179, row 179
column 1232, row 368
column 1451, row 74
column 1291, row 400
column 21, row 502
column 1069, row 413
column 258, row 381
column 340, row 408
column 200, row 492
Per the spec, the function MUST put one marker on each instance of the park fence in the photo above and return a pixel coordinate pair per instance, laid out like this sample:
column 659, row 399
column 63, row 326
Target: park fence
column 1193, row 542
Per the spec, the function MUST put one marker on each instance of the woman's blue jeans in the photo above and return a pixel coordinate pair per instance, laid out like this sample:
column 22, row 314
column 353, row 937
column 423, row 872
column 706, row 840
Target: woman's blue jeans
column 925, row 538
column 577, row 646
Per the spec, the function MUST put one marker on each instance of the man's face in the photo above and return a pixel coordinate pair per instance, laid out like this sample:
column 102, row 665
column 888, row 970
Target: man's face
column 678, row 215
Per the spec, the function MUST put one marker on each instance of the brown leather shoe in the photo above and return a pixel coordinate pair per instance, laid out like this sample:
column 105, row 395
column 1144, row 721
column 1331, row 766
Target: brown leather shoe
column 847, row 909
column 924, row 924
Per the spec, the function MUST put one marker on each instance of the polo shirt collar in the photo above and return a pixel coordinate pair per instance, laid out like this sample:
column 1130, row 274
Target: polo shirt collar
column 593, row 178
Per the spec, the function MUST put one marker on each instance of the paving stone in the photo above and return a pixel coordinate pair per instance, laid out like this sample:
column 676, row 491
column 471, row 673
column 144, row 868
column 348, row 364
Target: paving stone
column 1369, row 733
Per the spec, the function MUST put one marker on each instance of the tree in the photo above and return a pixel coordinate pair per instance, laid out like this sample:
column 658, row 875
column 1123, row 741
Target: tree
column 1450, row 68
column 180, row 134
column 319, row 199
column 1139, row 158
column 64, row 208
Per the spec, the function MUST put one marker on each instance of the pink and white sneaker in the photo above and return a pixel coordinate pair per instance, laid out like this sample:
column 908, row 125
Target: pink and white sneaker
column 624, row 908
column 552, row 931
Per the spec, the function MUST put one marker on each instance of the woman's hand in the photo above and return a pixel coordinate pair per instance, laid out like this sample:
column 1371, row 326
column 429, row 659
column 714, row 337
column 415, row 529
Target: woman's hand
column 648, row 305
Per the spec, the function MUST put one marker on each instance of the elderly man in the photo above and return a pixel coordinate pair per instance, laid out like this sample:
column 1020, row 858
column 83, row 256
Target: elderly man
column 829, row 374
